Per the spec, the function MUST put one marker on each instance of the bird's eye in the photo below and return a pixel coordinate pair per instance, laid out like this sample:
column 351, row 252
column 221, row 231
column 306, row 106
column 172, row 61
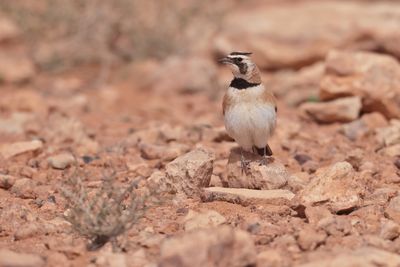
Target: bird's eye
column 239, row 59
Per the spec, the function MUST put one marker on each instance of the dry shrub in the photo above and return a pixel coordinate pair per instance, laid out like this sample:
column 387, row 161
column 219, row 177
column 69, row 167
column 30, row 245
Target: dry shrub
column 103, row 214
column 64, row 33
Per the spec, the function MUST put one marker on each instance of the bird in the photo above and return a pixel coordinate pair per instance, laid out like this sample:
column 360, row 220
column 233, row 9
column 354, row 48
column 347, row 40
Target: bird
column 249, row 108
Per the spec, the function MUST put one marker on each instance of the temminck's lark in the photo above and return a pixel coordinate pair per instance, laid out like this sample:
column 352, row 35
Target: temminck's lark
column 249, row 108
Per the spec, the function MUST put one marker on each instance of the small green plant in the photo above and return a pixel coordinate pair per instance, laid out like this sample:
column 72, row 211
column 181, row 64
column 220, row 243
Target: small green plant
column 103, row 214
column 313, row 98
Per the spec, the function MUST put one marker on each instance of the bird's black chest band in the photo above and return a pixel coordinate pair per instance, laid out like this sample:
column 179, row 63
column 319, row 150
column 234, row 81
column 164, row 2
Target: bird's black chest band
column 240, row 84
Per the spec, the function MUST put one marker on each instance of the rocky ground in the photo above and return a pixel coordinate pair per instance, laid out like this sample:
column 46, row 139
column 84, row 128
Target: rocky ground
column 328, row 197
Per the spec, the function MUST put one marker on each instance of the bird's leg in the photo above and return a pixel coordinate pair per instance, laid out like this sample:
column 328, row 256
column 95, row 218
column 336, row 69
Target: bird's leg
column 244, row 165
column 264, row 160
column 267, row 153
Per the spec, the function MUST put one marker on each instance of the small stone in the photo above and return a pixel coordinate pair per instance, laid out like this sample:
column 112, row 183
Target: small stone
column 310, row 238
column 335, row 225
column 87, row 159
column 302, row 158
column 8, row 29
column 389, row 230
column 221, row 246
column 397, row 163
column 368, row 167
column 287, row 242
column 336, row 186
column 110, row 259
column 340, row 110
column 298, row 181
column 158, row 179
column 165, row 152
column 138, row 259
column 272, row 175
column 310, row 166
column 10, row 258
column 27, row 231
column 391, row 151
column 215, row 181
column 27, row 171
column 355, row 157
column 389, row 135
column 271, row 258
column 61, row 161
column 207, row 219
column 6, row 181
column 15, row 123
column 381, row 196
column 190, row 172
column 315, row 214
column 366, row 124
column 247, row 196
column 361, row 257
column 15, row 66
column 24, row 188
column 393, row 209
column 14, row 149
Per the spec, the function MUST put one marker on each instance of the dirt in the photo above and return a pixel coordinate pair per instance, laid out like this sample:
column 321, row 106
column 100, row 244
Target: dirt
column 344, row 173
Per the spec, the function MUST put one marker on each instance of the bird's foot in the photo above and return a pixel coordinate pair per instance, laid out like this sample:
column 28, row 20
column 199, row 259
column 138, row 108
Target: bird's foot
column 266, row 160
column 245, row 166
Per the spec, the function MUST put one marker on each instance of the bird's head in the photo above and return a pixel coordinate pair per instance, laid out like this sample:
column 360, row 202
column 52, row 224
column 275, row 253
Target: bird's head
column 241, row 65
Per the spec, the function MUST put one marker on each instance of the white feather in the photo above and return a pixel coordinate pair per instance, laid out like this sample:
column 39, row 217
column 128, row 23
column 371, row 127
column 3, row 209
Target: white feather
column 248, row 121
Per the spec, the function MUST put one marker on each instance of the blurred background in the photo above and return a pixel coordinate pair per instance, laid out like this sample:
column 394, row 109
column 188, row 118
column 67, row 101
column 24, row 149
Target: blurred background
column 71, row 47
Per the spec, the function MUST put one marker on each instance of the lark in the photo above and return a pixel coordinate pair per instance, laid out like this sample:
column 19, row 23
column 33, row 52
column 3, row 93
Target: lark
column 249, row 108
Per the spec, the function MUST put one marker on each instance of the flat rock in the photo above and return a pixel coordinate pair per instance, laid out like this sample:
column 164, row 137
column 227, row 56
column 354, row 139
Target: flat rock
column 272, row 175
column 247, row 196
column 190, row 172
column 61, row 161
column 361, row 257
column 335, row 186
column 206, row 219
column 14, row 149
column 340, row 110
column 10, row 258
column 374, row 77
column 221, row 246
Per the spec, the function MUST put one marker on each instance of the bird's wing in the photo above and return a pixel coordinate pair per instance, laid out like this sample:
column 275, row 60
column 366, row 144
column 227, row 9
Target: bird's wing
column 268, row 97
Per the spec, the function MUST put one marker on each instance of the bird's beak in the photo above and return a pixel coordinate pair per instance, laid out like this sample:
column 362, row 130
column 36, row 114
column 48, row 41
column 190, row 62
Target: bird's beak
column 225, row 60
